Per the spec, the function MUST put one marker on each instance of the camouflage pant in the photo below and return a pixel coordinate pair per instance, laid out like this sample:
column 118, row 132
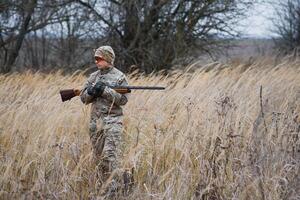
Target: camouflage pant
column 106, row 144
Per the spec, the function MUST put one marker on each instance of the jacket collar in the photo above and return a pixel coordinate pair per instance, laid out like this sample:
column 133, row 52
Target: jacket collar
column 105, row 71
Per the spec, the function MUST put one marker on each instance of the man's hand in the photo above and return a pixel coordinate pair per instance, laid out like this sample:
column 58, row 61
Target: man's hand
column 97, row 89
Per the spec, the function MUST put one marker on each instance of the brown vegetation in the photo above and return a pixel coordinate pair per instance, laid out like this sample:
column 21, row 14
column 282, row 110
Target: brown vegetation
column 221, row 132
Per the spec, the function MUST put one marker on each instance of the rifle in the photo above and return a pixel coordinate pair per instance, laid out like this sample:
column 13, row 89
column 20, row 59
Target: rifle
column 68, row 94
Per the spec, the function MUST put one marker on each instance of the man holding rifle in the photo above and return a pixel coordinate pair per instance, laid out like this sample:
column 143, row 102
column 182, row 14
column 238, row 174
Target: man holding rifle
column 105, row 126
column 107, row 89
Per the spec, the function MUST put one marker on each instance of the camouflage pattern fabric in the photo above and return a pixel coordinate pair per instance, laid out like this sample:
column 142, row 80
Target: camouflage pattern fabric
column 105, row 126
column 107, row 53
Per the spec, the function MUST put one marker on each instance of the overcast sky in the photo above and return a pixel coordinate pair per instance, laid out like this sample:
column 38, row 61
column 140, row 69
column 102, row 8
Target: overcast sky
column 258, row 23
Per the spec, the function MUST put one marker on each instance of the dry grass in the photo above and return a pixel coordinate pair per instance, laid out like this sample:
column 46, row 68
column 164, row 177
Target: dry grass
column 210, row 135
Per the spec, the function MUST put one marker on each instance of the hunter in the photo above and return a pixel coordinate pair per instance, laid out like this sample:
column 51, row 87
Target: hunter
column 105, row 126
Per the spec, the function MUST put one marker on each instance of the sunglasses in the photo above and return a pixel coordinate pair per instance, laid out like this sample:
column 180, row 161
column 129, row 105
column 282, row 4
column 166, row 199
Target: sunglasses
column 98, row 59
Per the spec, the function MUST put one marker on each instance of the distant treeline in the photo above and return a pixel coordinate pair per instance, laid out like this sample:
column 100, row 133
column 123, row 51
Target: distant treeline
column 149, row 35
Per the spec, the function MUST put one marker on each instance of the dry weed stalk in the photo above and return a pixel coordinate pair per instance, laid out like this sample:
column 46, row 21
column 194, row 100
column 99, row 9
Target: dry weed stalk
column 212, row 134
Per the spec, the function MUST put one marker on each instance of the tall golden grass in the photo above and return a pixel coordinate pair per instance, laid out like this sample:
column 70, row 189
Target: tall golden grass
column 217, row 132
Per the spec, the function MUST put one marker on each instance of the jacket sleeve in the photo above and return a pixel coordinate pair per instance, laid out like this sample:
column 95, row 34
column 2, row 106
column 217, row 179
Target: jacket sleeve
column 84, row 96
column 113, row 96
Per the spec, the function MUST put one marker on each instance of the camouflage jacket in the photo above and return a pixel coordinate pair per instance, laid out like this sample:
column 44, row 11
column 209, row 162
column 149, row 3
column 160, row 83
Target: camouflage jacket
column 108, row 106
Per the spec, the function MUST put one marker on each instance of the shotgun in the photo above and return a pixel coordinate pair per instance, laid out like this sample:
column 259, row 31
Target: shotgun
column 68, row 94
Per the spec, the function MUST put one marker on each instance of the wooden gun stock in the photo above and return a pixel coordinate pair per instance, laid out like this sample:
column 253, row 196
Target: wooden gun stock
column 68, row 94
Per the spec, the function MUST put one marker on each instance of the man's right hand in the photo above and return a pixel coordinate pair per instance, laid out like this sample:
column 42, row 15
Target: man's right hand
column 97, row 89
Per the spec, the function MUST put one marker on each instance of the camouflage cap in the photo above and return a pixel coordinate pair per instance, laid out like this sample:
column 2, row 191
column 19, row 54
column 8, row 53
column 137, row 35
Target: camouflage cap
column 107, row 53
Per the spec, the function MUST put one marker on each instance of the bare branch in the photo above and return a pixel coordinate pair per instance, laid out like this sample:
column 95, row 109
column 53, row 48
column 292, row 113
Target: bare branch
column 87, row 5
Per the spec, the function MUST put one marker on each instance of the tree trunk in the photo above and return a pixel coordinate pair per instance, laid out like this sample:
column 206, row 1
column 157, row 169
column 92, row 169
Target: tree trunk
column 14, row 52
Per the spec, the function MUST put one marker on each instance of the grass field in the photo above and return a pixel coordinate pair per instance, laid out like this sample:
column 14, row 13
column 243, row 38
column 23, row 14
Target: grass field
column 218, row 132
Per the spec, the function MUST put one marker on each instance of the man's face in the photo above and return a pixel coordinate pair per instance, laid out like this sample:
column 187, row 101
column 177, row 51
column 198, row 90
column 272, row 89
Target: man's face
column 101, row 63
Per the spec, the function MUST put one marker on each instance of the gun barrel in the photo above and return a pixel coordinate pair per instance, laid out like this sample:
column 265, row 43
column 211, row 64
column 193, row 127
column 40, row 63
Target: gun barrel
column 138, row 87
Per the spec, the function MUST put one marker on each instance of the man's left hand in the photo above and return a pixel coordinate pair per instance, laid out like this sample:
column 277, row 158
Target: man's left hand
column 97, row 89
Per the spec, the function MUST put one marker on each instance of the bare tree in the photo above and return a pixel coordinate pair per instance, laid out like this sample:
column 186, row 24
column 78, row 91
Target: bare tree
column 152, row 34
column 287, row 24
column 19, row 18
column 26, row 14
